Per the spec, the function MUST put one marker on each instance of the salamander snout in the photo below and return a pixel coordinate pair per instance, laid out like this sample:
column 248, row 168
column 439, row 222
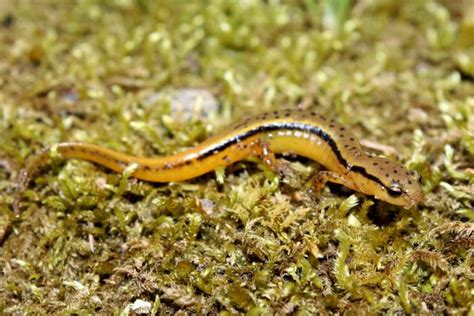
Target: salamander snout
column 396, row 184
column 407, row 190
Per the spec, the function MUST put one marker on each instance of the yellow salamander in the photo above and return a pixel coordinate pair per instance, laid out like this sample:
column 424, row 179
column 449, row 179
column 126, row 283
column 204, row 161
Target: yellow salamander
column 287, row 131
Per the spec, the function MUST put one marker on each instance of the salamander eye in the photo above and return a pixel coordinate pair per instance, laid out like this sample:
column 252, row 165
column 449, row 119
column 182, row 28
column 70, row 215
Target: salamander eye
column 394, row 189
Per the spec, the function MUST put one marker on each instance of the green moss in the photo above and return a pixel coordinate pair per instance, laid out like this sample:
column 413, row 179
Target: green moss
column 240, row 240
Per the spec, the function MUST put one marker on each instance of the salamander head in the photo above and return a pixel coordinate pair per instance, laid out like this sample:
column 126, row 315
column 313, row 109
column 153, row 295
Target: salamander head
column 393, row 183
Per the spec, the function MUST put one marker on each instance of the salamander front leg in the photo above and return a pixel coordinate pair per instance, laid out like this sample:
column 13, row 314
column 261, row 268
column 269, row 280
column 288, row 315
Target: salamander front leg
column 320, row 180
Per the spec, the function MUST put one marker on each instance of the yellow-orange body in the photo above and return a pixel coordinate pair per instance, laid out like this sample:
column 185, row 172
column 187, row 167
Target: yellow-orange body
column 306, row 134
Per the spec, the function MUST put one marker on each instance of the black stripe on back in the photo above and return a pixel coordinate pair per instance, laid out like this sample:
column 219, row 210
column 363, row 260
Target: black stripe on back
column 275, row 126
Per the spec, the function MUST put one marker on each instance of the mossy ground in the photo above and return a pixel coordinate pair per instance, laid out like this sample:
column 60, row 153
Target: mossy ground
column 400, row 74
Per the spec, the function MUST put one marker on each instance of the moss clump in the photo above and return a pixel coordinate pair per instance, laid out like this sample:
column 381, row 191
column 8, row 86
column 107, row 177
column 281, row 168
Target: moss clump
column 243, row 240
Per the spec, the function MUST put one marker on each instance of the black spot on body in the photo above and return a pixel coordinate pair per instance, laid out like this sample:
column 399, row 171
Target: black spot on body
column 8, row 20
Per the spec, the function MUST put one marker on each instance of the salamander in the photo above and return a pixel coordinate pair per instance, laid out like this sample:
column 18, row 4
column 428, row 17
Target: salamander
column 307, row 134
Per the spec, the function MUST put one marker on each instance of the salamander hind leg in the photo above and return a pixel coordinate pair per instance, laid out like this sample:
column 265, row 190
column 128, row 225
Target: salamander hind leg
column 261, row 149
column 282, row 169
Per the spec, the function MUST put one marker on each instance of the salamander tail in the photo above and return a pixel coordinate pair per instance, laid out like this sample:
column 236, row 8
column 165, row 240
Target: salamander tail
column 24, row 177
